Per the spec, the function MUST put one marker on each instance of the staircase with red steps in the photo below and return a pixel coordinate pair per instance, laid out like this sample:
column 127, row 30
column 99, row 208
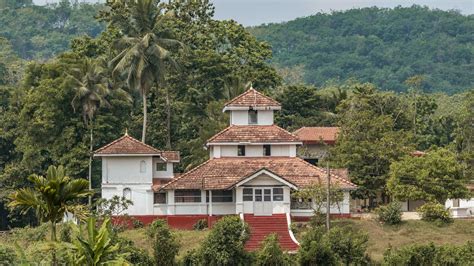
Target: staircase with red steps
column 262, row 226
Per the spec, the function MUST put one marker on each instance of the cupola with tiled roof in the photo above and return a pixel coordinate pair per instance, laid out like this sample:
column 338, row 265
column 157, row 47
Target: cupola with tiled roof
column 253, row 134
column 127, row 145
column 252, row 99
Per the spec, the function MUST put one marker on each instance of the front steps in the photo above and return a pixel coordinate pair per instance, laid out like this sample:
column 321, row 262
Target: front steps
column 262, row 226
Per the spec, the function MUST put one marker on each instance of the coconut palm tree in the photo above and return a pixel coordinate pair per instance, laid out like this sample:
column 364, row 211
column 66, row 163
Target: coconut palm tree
column 145, row 50
column 90, row 93
column 52, row 197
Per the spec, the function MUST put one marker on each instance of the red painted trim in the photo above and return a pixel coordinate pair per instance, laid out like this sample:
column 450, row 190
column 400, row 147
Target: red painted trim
column 308, row 218
column 183, row 222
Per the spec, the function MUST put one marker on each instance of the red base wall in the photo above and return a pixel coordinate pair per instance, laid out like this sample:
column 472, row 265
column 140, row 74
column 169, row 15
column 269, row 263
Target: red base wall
column 183, row 222
column 307, row 218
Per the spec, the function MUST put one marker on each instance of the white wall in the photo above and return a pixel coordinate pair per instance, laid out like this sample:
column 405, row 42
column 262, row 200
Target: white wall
column 465, row 209
column 126, row 170
column 241, row 117
column 141, row 196
column 218, row 151
column 162, row 174
column 343, row 208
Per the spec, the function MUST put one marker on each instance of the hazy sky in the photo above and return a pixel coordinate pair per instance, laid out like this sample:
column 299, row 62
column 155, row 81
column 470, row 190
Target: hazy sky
column 255, row 12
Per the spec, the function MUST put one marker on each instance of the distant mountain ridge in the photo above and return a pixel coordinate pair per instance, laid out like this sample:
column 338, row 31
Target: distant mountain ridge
column 378, row 45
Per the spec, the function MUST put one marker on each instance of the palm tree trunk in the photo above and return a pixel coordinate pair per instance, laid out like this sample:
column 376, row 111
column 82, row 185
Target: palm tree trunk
column 168, row 120
column 90, row 162
column 53, row 231
column 144, row 117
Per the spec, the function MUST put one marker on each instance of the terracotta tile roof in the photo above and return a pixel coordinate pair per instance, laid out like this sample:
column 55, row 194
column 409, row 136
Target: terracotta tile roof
column 311, row 135
column 223, row 173
column 253, row 134
column 128, row 145
column 418, row 153
column 252, row 98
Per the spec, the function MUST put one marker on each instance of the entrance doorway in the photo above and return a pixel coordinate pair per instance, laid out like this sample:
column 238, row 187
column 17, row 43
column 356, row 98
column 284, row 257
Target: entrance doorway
column 263, row 201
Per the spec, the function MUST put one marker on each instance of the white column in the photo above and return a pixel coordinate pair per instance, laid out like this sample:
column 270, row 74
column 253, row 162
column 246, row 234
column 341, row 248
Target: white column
column 210, row 202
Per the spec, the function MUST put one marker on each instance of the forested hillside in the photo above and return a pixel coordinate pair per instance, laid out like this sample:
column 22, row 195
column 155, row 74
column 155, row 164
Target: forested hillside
column 381, row 46
column 41, row 32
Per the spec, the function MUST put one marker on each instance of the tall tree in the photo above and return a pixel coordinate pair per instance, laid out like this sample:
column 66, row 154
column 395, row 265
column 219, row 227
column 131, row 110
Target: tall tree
column 91, row 90
column 436, row 176
column 145, row 49
column 52, row 197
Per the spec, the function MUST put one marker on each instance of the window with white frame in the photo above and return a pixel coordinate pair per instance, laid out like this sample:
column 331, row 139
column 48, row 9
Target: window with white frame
column 184, row 196
column 248, row 194
column 127, row 193
column 221, row 196
column 278, row 194
column 159, row 198
column 253, row 117
column 142, row 166
column 161, row 166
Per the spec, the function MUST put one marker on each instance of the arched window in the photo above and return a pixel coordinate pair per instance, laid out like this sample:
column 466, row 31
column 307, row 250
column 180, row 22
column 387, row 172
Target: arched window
column 127, row 193
column 142, row 167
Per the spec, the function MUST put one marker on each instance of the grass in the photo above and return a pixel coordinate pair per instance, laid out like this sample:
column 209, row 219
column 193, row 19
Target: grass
column 188, row 239
column 382, row 237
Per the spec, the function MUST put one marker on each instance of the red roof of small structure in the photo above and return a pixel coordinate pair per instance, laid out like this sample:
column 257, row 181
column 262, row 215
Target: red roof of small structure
column 128, row 145
column 312, row 135
column 418, row 153
column 253, row 134
column 223, row 173
column 252, row 98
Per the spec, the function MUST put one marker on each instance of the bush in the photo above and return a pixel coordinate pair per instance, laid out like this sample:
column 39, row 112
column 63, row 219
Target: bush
column 7, row 255
column 200, row 225
column 30, row 234
column 349, row 245
column 430, row 255
column 134, row 255
column 165, row 245
column 225, row 243
column 435, row 212
column 154, row 226
column 191, row 258
column 318, row 219
column 47, row 252
column 315, row 249
column 390, row 213
column 137, row 223
column 66, row 232
column 270, row 252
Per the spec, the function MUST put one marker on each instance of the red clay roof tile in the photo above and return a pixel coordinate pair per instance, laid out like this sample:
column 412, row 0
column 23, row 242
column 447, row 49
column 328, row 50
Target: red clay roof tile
column 252, row 98
column 223, row 173
column 128, row 145
column 253, row 134
column 310, row 135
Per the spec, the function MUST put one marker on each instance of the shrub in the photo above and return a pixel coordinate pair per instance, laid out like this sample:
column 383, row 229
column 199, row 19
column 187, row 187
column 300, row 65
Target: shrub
column 318, row 219
column 315, row 249
column 430, row 255
column 30, row 234
column 191, row 258
column 390, row 213
column 154, row 226
column 49, row 253
column 270, row 252
column 225, row 243
column 137, row 223
column 65, row 232
column 134, row 255
column 349, row 245
column 200, row 224
column 7, row 255
column 165, row 245
column 435, row 212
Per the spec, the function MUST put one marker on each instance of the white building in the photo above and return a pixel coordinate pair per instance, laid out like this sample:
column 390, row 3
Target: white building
column 252, row 171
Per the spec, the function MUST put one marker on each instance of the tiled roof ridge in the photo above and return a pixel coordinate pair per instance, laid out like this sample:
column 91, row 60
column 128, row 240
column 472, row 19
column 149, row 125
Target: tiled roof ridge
column 286, row 131
column 325, row 171
column 299, row 129
column 261, row 169
column 187, row 173
column 166, row 159
column 251, row 89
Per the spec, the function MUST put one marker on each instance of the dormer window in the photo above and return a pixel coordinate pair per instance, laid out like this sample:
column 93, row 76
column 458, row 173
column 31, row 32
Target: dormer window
column 253, row 117
column 161, row 167
column 241, row 150
column 267, row 150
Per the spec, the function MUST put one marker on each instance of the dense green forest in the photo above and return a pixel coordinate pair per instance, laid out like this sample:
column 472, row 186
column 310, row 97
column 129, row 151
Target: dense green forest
column 179, row 66
column 377, row 45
